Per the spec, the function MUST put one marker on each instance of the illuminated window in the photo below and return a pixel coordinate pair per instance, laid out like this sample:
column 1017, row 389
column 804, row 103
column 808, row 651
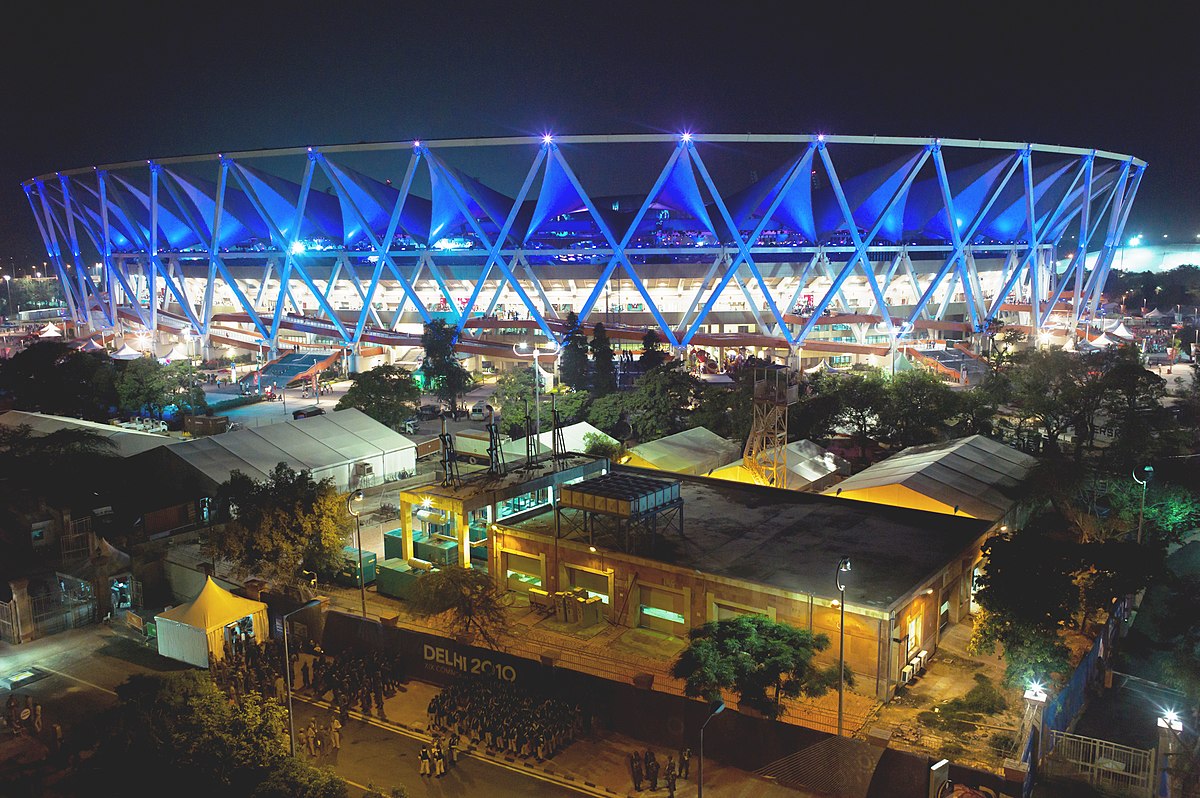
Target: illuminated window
column 914, row 634
column 666, row 615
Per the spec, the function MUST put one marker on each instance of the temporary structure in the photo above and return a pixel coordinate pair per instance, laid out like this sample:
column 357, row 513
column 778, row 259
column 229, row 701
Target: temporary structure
column 50, row 331
column 126, row 352
column 694, row 451
column 192, row 631
column 1102, row 341
column 90, row 345
column 179, row 352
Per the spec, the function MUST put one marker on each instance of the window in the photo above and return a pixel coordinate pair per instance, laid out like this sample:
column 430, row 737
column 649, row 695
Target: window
column 661, row 609
column 522, row 571
column 914, row 634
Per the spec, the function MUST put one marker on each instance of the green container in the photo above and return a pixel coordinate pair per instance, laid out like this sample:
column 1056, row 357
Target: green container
column 393, row 544
column 396, row 578
column 438, row 552
column 349, row 574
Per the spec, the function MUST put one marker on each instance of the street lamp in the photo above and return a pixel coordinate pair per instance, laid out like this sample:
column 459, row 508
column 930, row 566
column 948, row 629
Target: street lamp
column 715, row 710
column 287, row 667
column 523, row 349
column 843, row 567
column 8, row 279
column 356, row 498
column 1148, row 473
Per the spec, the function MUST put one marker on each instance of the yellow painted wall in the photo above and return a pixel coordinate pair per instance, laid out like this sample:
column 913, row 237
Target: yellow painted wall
column 898, row 496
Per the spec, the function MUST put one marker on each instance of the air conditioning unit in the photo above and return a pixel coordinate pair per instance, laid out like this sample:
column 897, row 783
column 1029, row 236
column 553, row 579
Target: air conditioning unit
column 906, row 674
column 922, row 659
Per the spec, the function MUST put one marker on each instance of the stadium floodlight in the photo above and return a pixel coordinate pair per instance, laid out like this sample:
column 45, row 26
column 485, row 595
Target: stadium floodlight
column 685, row 137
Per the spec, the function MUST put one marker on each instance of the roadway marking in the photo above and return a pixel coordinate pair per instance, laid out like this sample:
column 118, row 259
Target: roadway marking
column 77, row 679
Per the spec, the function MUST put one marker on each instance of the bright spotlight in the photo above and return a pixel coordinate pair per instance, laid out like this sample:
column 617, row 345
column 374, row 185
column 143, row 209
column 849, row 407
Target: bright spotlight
column 298, row 247
column 547, row 139
column 685, row 137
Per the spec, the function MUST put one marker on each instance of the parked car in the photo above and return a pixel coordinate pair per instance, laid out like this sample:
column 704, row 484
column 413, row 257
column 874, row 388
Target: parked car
column 427, row 412
column 411, row 425
column 477, row 410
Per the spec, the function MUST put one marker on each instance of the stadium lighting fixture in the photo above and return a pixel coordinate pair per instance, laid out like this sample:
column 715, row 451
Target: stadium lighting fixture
column 547, row 138
column 416, row 144
column 298, row 247
column 820, row 137
column 1036, row 692
column 685, row 137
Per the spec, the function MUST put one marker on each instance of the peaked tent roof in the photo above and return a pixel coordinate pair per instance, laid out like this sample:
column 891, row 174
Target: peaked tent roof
column 126, row 352
column 693, row 451
column 127, row 442
column 213, row 607
column 979, row 476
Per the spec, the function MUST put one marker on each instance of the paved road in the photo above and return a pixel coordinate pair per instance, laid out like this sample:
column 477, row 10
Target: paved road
column 81, row 669
column 372, row 754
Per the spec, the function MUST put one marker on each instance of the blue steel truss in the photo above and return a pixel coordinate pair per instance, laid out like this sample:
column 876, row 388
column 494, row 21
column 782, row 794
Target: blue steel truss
column 157, row 223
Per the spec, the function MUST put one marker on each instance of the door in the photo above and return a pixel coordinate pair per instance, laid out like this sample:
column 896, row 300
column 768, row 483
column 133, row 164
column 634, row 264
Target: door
column 522, row 571
column 595, row 584
column 661, row 609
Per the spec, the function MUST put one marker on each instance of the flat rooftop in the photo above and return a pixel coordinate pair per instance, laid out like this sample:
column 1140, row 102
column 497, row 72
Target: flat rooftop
column 478, row 488
column 794, row 541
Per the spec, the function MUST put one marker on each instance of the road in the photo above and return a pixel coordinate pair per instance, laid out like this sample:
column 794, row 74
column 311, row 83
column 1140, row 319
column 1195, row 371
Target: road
column 79, row 670
column 373, row 754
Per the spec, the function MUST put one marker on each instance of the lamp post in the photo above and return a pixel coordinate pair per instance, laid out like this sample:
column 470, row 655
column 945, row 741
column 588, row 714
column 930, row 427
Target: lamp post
column 523, row 350
column 715, row 710
column 843, row 567
column 287, row 668
column 356, row 498
column 8, row 279
column 1148, row 472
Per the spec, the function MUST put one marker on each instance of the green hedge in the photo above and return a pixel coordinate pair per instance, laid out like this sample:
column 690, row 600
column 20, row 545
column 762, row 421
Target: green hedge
column 237, row 401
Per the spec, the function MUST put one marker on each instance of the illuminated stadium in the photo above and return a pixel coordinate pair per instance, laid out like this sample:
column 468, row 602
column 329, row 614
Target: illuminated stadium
column 833, row 247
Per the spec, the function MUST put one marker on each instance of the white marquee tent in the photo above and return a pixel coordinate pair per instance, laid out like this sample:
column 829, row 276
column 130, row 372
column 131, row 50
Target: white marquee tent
column 126, row 352
column 190, row 632
column 347, row 446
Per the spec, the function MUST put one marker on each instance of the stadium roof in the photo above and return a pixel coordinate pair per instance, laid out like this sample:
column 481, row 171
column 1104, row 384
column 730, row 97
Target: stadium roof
column 974, row 476
column 127, row 442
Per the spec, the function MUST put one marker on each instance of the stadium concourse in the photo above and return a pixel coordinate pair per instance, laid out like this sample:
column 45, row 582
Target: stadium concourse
column 815, row 247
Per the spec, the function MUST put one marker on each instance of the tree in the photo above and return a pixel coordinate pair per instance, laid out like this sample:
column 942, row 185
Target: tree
column 660, row 404
column 1044, row 385
column 574, row 366
column 653, row 355
column 761, row 660
column 51, row 377
column 515, row 391
column 601, row 445
column 441, row 367
column 917, row 408
column 604, row 372
column 387, row 394
column 279, row 527
column 179, row 729
column 861, row 399
column 1132, row 397
column 292, row 778
column 725, row 410
column 467, row 601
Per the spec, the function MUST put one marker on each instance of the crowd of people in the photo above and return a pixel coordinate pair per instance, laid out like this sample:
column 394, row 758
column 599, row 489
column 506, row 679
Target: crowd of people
column 249, row 666
column 645, row 768
column 354, row 678
column 505, row 717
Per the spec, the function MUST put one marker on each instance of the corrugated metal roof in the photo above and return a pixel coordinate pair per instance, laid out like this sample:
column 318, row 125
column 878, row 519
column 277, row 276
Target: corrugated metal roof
column 980, row 476
column 127, row 442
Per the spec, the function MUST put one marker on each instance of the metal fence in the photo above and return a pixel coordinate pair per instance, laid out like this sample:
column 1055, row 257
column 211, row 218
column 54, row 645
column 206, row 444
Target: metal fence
column 9, row 631
column 1113, row 768
column 1066, row 706
column 56, row 612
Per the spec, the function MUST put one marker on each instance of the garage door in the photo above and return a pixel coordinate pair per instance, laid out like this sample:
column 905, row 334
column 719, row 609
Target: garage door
column 595, row 584
column 522, row 571
column 662, row 609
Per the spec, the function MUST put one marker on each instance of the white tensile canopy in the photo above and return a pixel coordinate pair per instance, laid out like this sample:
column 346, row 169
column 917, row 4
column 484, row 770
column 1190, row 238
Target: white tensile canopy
column 177, row 353
column 126, row 352
column 50, row 331
column 1102, row 341
column 190, row 632
column 90, row 345
column 1121, row 331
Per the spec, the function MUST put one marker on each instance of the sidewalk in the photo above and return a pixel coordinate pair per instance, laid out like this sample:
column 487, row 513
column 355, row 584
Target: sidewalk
column 598, row 764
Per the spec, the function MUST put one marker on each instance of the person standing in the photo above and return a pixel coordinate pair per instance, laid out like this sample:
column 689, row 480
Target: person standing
column 302, row 739
column 311, row 735
column 304, row 675
column 335, row 734
column 652, row 772
column 454, row 748
column 423, row 758
column 685, row 762
column 635, row 765
column 670, row 780
column 439, row 762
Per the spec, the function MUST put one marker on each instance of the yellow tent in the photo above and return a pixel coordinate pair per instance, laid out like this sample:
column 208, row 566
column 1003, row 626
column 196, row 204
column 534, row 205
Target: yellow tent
column 190, row 631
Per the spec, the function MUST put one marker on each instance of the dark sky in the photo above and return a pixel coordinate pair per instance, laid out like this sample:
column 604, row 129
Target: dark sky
column 90, row 83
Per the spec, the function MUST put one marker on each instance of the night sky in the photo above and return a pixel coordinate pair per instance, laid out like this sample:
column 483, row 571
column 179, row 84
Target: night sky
column 104, row 82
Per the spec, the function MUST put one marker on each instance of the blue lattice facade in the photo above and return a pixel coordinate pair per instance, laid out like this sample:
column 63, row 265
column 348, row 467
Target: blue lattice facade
column 878, row 238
